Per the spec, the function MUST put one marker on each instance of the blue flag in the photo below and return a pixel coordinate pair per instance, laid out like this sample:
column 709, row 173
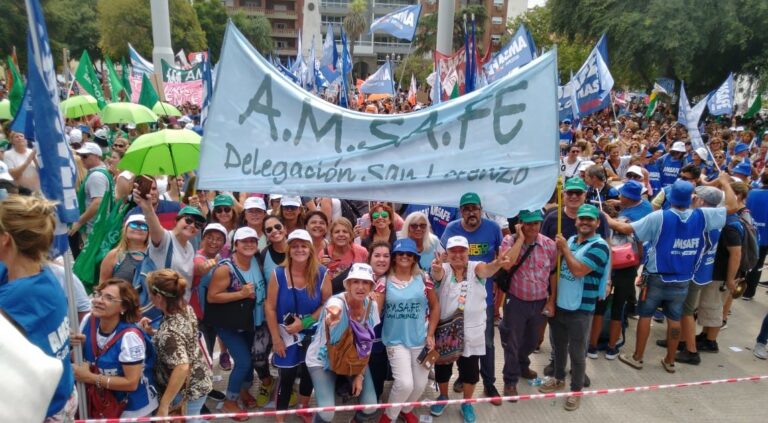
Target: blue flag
column 346, row 57
column 57, row 167
column 683, row 106
column 380, row 82
column 401, row 23
column 721, row 101
column 330, row 55
column 517, row 52
column 437, row 92
column 207, row 89
column 22, row 122
column 594, row 81
column 287, row 72
column 139, row 64
column 667, row 83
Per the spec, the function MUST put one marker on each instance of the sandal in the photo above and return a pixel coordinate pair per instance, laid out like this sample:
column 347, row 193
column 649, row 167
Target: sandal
column 226, row 408
column 670, row 368
column 248, row 400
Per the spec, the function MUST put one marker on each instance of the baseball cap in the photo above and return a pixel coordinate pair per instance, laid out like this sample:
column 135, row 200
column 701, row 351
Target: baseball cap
column 457, row 241
column 101, row 133
column 223, row 200
column 632, row 190
column 215, row 227
column 75, row 136
column 405, row 245
column 85, row 128
column 4, row 174
column 584, row 165
column 192, row 212
column 680, row 194
column 89, row 148
column 702, row 152
column 299, row 234
column 290, row 201
column 575, row 184
column 469, row 198
column 254, row 203
column 185, row 119
column 636, row 170
column 526, row 216
column 588, row 210
column 740, row 148
column 743, row 168
column 360, row 271
column 712, row 196
column 130, row 126
column 678, row 146
column 244, row 233
column 135, row 218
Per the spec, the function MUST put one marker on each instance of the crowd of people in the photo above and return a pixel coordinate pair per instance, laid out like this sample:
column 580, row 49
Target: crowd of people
column 339, row 296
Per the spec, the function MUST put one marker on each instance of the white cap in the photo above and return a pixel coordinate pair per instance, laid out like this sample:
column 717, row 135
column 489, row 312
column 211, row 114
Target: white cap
column 185, row 119
column 299, row 234
column 215, row 227
column 89, row 148
column 739, row 128
column 290, row 201
column 678, row 146
column 244, row 233
column 4, row 174
column 584, row 165
column 130, row 126
column 275, row 196
column 135, row 218
column 189, row 126
column 360, row 271
column 75, row 136
column 702, row 152
column 101, row 133
column 457, row 241
column 254, row 203
column 637, row 170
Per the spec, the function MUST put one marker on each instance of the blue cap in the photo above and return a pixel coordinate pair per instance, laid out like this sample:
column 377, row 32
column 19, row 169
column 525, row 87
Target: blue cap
column 85, row 129
column 632, row 190
column 743, row 168
column 680, row 194
column 740, row 148
column 405, row 245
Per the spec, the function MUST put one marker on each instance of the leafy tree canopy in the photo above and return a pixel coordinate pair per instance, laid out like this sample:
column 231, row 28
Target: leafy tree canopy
column 426, row 35
column 257, row 30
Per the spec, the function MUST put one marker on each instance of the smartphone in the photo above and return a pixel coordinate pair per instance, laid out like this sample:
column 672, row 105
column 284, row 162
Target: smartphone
column 363, row 222
column 145, row 185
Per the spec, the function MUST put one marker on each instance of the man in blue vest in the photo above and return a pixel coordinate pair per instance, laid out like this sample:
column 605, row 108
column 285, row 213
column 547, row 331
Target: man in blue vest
column 757, row 203
column 677, row 242
column 690, row 173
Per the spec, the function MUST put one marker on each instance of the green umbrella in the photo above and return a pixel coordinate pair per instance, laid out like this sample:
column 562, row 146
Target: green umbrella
column 5, row 109
column 79, row 106
column 127, row 113
column 167, row 152
column 165, row 109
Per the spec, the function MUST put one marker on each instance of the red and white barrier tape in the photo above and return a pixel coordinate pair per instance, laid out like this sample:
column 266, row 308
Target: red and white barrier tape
column 429, row 403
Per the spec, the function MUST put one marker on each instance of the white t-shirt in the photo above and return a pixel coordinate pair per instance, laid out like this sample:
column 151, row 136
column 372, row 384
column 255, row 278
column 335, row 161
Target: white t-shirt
column 568, row 170
column 30, row 178
column 182, row 259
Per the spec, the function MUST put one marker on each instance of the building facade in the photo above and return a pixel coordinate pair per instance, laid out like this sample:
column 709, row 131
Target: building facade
column 285, row 17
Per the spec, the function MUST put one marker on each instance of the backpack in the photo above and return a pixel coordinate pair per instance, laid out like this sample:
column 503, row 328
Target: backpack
column 749, row 246
column 205, row 280
column 140, row 284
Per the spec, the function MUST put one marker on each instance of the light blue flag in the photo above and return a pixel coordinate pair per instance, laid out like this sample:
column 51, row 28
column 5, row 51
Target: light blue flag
column 287, row 72
column 329, row 49
column 689, row 116
column 594, row 81
column 207, row 88
column 139, row 64
column 683, row 106
column 57, row 166
column 310, row 69
column 437, row 92
column 380, row 82
column 518, row 51
column 721, row 101
column 401, row 23
column 667, row 83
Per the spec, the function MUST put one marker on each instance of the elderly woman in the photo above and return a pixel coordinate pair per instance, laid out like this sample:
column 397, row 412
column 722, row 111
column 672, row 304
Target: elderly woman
column 118, row 351
column 182, row 375
column 460, row 285
column 352, row 308
column 295, row 299
column 122, row 261
column 341, row 252
column 382, row 225
column 408, row 298
column 418, row 228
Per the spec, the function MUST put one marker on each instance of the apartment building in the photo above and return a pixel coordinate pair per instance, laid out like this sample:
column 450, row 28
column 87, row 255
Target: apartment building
column 285, row 16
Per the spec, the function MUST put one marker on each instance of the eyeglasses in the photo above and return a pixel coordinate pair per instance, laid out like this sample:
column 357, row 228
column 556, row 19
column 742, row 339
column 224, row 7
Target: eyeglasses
column 421, row 226
column 381, row 214
column 139, row 226
column 106, row 297
column 199, row 224
column 224, row 209
column 573, row 193
column 275, row 227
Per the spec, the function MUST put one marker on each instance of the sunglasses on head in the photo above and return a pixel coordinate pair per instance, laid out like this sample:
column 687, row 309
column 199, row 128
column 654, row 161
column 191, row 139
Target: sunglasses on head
column 418, row 226
column 138, row 225
column 381, row 214
column 275, row 227
column 199, row 224
column 220, row 209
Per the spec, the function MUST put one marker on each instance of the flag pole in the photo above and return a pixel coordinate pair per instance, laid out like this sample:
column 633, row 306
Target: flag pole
column 559, row 218
column 402, row 72
column 615, row 119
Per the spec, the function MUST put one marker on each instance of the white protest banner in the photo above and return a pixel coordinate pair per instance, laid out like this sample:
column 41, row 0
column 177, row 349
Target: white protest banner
column 266, row 135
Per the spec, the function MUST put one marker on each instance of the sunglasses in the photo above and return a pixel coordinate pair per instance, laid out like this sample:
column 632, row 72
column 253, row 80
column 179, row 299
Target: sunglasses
column 573, row 193
column 222, row 209
column 199, row 224
column 138, row 225
column 290, row 208
column 276, row 227
column 403, row 253
column 418, row 226
column 381, row 214
column 719, row 157
column 633, row 176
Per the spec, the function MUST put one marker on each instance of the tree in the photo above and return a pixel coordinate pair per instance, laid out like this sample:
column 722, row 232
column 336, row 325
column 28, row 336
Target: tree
column 257, row 30
column 356, row 22
column 72, row 24
column 415, row 65
column 426, row 36
column 212, row 16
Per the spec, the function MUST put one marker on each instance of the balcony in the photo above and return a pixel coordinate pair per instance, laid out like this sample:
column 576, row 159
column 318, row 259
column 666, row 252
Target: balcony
column 269, row 13
column 284, row 33
column 287, row 51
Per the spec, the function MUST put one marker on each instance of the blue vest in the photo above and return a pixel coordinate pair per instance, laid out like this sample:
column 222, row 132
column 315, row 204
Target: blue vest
column 703, row 274
column 654, row 175
column 670, row 168
column 109, row 365
column 757, row 203
column 679, row 246
column 297, row 302
column 405, row 313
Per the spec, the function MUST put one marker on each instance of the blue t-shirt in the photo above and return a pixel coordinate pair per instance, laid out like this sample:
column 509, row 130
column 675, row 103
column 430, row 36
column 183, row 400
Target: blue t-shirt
column 757, row 203
column 635, row 213
column 38, row 304
column 439, row 216
column 484, row 242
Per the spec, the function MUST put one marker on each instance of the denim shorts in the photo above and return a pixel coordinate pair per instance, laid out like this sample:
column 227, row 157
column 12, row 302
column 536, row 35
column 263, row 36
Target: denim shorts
column 657, row 293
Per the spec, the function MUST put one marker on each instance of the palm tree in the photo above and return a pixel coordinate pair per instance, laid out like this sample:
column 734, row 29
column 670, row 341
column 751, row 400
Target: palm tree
column 356, row 22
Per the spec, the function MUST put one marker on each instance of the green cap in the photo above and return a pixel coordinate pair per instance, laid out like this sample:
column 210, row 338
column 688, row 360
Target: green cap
column 191, row 211
column 526, row 216
column 588, row 210
column 4, row 144
column 469, row 198
column 223, row 200
column 575, row 184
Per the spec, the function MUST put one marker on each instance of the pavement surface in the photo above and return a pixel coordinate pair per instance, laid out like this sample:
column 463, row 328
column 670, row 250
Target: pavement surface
column 736, row 402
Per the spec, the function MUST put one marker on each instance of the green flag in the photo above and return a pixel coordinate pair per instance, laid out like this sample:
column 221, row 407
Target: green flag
column 126, row 80
column 16, row 90
column 115, row 85
column 755, row 107
column 148, row 96
column 85, row 75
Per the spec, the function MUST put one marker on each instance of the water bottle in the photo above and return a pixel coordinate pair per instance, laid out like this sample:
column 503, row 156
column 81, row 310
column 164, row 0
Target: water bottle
column 535, row 382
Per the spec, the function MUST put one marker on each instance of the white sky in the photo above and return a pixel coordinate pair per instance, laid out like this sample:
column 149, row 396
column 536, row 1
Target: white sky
column 534, row 3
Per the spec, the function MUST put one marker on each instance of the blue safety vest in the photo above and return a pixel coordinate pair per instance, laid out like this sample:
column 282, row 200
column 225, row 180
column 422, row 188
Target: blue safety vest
column 679, row 246
column 670, row 168
column 654, row 175
column 703, row 274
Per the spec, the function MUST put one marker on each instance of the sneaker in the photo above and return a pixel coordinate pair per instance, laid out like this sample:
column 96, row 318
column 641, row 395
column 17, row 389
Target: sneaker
column 216, row 395
column 384, row 418
column 663, row 344
column 550, row 369
column 760, row 351
column 437, row 409
column 492, row 392
column 629, row 359
column 225, row 362
column 528, row 374
column 747, row 298
column 669, row 367
column 409, row 417
column 611, row 353
column 264, row 395
column 552, row 385
column 592, row 352
column 572, row 403
column 707, row 346
column 294, row 399
column 658, row 316
column 687, row 357
column 763, row 283
column 469, row 413
column 725, row 324
column 587, row 381
column 458, row 387
column 511, row 391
